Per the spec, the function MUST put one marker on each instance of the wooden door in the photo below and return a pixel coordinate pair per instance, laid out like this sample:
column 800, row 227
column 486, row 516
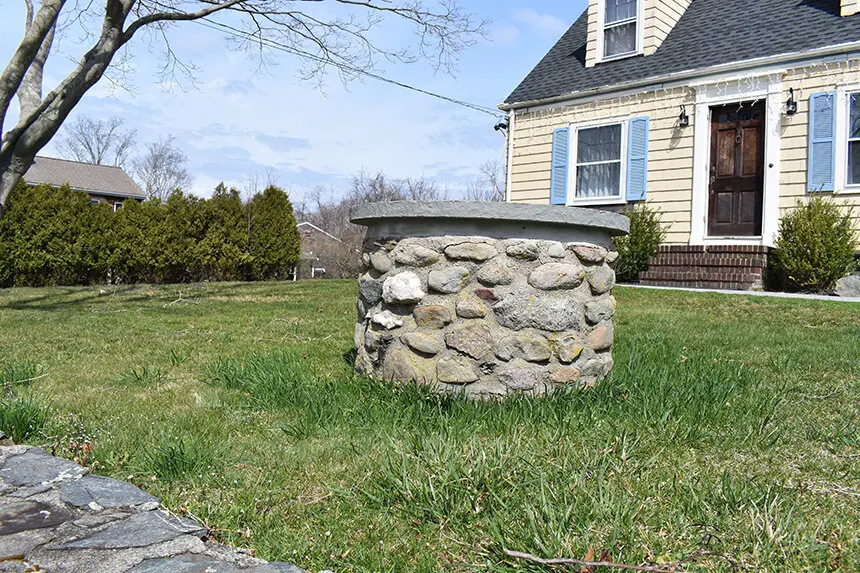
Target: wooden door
column 736, row 189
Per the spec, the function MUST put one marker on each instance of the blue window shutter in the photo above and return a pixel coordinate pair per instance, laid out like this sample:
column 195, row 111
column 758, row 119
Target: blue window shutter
column 822, row 141
column 637, row 159
column 560, row 160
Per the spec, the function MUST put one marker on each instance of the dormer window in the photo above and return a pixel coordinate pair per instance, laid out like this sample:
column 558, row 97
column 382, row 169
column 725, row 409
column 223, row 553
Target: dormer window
column 620, row 28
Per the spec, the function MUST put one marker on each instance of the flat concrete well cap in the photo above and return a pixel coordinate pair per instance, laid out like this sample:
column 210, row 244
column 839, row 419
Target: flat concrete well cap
column 500, row 220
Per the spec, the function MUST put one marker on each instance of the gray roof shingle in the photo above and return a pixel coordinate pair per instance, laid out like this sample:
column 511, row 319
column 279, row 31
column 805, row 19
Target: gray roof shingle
column 711, row 32
column 104, row 179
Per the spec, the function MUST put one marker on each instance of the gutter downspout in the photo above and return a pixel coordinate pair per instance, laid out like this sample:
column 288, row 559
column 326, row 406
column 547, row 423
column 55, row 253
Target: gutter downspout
column 509, row 154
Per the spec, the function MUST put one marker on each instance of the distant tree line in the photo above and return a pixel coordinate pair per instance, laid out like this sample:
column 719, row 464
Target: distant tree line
column 329, row 210
column 51, row 236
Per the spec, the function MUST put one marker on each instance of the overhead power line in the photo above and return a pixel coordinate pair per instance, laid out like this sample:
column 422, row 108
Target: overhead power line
column 215, row 25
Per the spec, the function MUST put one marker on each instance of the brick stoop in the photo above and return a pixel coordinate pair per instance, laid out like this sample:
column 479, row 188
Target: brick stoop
column 741, row 267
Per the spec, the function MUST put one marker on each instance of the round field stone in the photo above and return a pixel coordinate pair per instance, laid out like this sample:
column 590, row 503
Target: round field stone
column 495, row 274
column 520, row 377
column 526, row 250
column 404, row 288
column 370, row 289
column 449, row 281
column 529, row 347
column 455, row 370
column 598, row 311
column 591, row 254
column 521, row 311
column 566, row 375
column 555, row 276
column 403, row 365
column 601, row 279
column 601, row 337
column 471, row 252
column 473, row 339
column 413, row 254
column 387, row 320
column 568, row 347
column 424, row 342
column 471, row 307
column 432, row 316
column 380, row 262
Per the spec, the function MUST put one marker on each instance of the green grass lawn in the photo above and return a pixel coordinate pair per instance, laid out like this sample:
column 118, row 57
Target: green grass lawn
column 729, row 426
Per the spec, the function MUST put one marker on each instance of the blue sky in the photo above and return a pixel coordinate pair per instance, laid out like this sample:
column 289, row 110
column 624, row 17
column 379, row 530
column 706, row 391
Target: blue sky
column 239, row 120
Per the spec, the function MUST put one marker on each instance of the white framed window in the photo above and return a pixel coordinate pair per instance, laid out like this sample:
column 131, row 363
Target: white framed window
column 620, row 29
column 94, row 201
column 599, row 161
column 117, row 206
column 853, row 141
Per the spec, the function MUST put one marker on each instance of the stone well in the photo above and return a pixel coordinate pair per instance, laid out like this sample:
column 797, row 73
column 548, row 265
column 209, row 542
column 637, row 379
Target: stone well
column 489, row 299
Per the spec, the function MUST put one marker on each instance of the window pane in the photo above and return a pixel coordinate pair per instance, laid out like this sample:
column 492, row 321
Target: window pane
column 599, row 144
column 617, row 10
column 854, row 119
column 620, row 40
column 854, row 163
column 598, row 180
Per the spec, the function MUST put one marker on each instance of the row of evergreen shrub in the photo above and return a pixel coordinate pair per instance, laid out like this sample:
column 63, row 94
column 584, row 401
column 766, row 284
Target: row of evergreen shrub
column 52, row 236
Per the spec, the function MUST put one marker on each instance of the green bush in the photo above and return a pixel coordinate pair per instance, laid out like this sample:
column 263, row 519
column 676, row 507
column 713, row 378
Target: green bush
column 21, row 417
column 816, row 245
column 54, row 236
column 273, row 244
column 634, row 249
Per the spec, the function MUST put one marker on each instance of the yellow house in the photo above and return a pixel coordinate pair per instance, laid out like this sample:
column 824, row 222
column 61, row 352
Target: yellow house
column 720, row 113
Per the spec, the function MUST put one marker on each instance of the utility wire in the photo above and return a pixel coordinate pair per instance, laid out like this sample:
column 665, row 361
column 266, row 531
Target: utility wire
column 215, row 25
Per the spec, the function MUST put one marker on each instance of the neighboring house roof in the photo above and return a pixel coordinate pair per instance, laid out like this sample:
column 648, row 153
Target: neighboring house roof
column 96, row 179
column 710, row 33
column 314, row 227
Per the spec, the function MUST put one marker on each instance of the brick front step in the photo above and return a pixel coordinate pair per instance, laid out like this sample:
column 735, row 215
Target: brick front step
column 720, row 267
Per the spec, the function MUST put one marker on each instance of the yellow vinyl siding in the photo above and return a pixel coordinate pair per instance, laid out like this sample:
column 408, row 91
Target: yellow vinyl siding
column 670, row 157
column 794, row 143
column 591, row 44
column 850, row 7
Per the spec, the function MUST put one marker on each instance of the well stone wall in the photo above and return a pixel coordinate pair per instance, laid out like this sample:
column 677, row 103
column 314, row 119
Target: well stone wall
column 486, row 316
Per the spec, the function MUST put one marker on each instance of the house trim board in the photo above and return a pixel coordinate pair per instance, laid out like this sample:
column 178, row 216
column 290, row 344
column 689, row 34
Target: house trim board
column 842, row 131
column 827, row 54
column 601, row 33
column 714, row 95
column 571, row 172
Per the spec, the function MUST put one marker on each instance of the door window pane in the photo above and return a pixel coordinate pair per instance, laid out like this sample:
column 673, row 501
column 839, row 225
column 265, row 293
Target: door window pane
column 619, row 40
column 617, row 10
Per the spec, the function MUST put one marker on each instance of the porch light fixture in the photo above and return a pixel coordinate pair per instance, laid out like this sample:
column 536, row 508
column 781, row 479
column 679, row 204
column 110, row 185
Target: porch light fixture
column 791, row 104
column 684, row 118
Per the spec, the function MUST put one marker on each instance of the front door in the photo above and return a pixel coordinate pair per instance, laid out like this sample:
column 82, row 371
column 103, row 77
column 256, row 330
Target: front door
column 736, row 188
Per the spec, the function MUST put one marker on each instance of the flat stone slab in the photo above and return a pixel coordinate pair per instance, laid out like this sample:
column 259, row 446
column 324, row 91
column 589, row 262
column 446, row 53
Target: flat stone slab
column 27, row 515
column 489, row 219
column 105, row 492
column 36, row 467
column 201, row 564
column 54, row 517
column 139, row 530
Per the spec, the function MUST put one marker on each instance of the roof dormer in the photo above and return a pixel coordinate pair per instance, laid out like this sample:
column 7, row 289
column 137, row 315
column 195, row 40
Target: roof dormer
column 619, row 29
column 850, row 7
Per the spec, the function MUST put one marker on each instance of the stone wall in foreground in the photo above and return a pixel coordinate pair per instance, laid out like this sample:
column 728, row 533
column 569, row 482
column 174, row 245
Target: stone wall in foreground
column 484, row 316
